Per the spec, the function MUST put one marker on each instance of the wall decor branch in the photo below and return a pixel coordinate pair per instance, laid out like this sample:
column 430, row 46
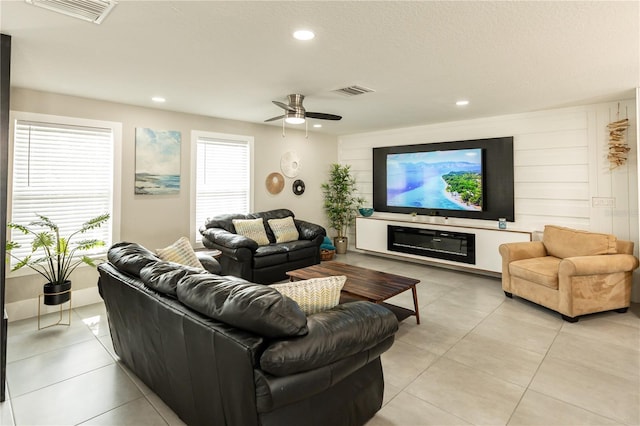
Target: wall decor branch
column 618, row 148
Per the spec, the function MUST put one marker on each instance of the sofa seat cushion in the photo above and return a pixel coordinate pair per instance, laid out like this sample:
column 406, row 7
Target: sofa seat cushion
column 334, row 334
column 237, row 302
column 300, row 249
column 566, row 242
column 540, row 270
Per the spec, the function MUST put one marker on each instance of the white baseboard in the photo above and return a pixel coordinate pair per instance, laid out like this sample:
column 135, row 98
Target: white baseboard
column 28, row 308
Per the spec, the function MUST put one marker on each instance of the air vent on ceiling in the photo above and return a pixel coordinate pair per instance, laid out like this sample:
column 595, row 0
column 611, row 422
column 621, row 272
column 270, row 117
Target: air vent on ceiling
column 354, row 90
column 88, row 10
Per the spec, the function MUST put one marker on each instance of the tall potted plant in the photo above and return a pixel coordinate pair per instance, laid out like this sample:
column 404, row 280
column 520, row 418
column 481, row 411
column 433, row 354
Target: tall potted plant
column 53, row 256
column 341, row 203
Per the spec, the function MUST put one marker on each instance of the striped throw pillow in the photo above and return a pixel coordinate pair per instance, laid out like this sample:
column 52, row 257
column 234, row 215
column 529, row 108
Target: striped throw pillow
column 314, row 295
column 180, row 252
column 284, row 229
column 252, row 228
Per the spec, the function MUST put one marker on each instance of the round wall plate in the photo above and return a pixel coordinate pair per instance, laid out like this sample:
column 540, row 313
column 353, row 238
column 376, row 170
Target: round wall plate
column 298, row 187
column 290, row 164
column 274, row 183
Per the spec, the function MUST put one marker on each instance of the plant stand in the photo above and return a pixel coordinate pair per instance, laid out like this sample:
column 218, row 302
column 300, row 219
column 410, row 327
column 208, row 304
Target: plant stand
column 60, row 312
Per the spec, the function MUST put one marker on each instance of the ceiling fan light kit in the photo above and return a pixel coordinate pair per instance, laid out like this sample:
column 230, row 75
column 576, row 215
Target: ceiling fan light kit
column 294, row 112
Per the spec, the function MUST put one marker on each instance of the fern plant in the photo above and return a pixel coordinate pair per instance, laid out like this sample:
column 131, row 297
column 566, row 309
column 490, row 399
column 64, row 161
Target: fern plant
column 52, row 256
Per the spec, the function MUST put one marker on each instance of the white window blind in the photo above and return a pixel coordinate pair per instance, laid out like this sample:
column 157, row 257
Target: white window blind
column 64, row 172
column 223, row 178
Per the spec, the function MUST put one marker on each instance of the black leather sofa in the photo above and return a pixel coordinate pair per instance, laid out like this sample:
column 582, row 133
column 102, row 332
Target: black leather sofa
column 242, row 257
column 221, row 351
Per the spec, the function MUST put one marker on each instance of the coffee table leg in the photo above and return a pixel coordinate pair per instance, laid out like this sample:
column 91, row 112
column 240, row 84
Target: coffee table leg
column 415, row 303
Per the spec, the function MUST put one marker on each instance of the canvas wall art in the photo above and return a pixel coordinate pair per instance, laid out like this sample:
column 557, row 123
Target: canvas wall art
column 157, row 161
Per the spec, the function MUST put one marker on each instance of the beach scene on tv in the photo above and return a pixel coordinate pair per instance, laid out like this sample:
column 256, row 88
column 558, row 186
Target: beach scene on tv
column 450, row 179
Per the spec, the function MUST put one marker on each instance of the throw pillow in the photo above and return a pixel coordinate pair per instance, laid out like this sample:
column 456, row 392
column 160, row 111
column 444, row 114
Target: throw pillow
column 314, row 295
column 284, row 229
column 180, row 252
column 252, row 228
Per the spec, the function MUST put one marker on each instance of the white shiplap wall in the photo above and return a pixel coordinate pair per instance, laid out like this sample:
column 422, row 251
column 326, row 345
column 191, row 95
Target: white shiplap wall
column 560, row 165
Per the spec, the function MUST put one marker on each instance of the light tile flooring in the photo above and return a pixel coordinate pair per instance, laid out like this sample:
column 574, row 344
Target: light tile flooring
column 477, row 358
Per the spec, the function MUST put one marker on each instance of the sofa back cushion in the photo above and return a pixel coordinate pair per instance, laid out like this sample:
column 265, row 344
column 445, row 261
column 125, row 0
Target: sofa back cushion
column 224, row 221
column 163, row 276
column 130, row 257
column 566, row 242
column 237, row 302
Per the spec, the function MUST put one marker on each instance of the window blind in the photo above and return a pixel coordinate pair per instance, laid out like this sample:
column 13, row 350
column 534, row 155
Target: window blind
column 64, row 172
column 223, row 171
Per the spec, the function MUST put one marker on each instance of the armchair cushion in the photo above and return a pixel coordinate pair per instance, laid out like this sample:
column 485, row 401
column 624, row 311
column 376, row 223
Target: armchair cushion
column 565, row 242
column 540, row 270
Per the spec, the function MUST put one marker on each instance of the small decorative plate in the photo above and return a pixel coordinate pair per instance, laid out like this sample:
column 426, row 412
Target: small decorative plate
column 274, row 183
column 290, row 164
column 298, row 187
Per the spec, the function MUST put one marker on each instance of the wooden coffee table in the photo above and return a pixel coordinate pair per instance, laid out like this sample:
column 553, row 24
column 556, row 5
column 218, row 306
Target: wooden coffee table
column 365, row 284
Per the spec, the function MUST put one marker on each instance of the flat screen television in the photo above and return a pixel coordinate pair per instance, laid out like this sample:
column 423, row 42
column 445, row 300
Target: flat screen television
column 469, row 179
column 448, row 179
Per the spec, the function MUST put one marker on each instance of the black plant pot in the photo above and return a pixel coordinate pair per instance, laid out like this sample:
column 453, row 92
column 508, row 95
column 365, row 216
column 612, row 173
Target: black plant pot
column 54, row 294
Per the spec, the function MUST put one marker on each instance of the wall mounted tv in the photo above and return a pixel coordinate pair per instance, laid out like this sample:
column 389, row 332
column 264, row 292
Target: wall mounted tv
column 469, row 179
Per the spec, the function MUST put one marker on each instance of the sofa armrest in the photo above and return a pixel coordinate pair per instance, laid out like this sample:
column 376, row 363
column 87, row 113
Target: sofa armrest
column 228, row 239
column 523, row 250
column 598, row 264
column 335, row 334
column 308, row 230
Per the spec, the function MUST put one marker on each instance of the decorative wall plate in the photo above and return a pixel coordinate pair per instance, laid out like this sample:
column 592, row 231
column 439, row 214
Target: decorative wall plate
column 274, row 183
column 298, row 187
column 290, row 164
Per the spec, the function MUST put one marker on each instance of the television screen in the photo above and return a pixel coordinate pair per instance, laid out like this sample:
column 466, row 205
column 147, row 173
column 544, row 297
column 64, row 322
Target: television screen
column 444, row 179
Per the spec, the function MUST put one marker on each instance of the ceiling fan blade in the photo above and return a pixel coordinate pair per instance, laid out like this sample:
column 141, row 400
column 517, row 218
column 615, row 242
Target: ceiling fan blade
column 274, row 118
column 323, row 116
column 284, row 106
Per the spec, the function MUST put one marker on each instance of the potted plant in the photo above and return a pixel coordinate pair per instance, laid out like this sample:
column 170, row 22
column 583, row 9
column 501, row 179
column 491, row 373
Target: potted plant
column 55, row 257
column 341, row 203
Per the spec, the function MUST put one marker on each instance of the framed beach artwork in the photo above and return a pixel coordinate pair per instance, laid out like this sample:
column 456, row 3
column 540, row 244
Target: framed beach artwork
column 157, row 161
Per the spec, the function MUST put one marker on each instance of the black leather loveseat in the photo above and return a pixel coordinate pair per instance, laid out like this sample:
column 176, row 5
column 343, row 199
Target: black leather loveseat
column 243, row 257
column 222, row 351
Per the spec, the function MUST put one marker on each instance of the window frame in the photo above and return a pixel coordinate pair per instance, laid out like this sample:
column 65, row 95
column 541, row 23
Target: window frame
column 116, row 199
column 194, row 235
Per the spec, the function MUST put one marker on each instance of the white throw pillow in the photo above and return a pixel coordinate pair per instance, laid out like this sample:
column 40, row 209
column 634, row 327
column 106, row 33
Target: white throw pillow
column 284, row 229
column 252, row 228
column 314, row 295
column 180, row 252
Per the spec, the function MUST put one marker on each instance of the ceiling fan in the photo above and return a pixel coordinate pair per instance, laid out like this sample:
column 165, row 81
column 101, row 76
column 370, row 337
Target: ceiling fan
column 294, row 112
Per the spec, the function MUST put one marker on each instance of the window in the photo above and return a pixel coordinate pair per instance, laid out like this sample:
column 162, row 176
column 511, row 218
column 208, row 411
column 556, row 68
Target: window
column 222, row 175
column 64, row 169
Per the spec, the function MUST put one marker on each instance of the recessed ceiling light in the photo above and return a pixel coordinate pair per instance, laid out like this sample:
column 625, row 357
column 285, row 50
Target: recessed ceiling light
column 303, row 35
column 158, row 99
column 462, row 103
column 317, row 125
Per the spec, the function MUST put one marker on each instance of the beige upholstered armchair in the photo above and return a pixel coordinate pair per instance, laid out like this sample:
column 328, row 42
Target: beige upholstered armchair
column 570, row 271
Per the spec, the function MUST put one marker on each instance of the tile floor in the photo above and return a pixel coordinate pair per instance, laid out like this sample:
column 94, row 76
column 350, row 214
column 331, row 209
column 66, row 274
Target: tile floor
column 477, row 358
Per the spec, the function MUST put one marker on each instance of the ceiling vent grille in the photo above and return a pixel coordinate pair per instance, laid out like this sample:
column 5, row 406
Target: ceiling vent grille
column 88, row 10
column 354, row 90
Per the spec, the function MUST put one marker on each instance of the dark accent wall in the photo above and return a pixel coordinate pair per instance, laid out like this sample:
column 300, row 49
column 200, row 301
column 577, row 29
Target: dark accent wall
column 5, row 71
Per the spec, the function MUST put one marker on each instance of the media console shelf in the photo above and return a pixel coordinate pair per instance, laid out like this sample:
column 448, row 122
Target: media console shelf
column 470, row 247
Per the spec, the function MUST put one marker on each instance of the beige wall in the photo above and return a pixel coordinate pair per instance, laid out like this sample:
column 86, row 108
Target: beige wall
column 156, row 221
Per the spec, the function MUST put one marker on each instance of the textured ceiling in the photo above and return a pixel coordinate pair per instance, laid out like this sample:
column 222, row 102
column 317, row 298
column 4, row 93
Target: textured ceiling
column 231, row 59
